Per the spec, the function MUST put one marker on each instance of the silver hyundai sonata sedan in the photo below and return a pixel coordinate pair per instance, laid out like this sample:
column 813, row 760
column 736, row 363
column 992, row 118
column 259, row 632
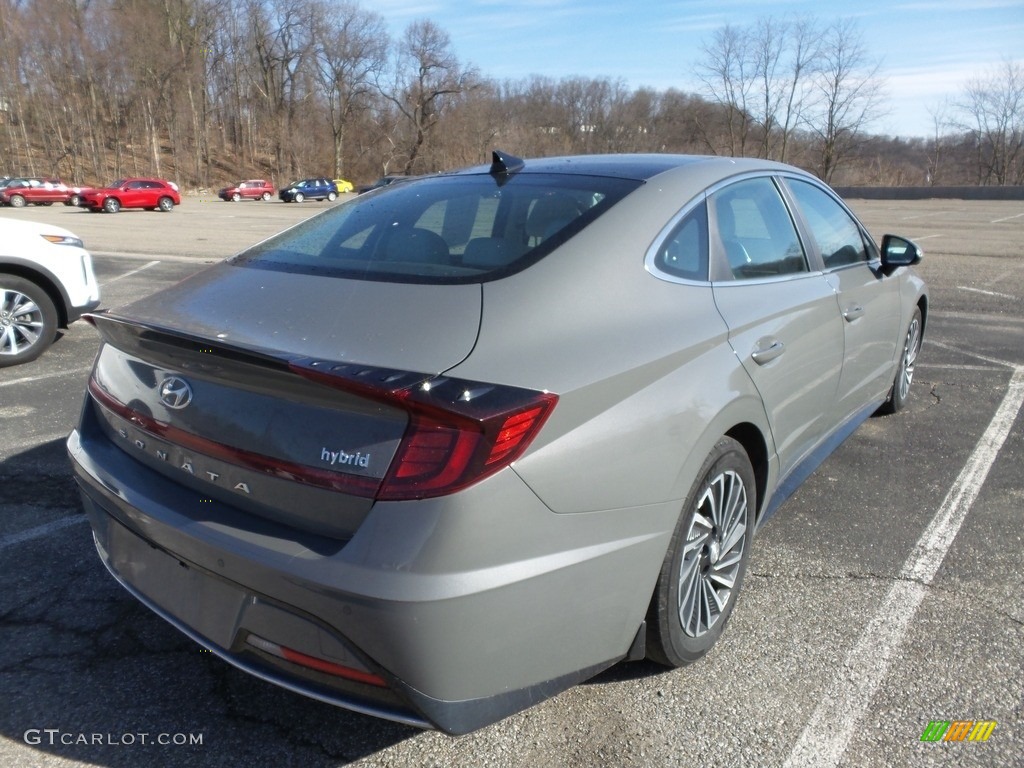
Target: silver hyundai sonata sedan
column 454, row 446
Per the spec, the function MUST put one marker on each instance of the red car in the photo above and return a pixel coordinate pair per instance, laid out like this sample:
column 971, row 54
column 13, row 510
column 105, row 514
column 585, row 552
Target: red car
column 156, row 194
column 254, row 189
column 21, row 192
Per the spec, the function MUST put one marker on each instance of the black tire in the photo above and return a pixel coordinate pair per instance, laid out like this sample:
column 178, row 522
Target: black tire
column 165, row 204
column 236, row 197
column 331, row 196
column 266, row 197
column 17, row 201
column 703, row 569
column 111, row 205
column 900, row 392
column 298, row 198
column 73, row 201
column 28, row 320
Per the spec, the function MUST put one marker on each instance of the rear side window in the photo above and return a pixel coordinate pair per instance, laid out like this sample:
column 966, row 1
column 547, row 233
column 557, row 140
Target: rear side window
column 684, row 253
column 443, row 229
column 756, row 232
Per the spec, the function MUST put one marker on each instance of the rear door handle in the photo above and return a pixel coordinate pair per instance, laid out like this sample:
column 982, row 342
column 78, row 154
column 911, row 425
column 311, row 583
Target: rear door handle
column 767, row 350
column 852, row 312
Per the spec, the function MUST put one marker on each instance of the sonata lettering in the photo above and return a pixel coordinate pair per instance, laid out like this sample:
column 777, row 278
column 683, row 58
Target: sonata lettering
column 189, row 466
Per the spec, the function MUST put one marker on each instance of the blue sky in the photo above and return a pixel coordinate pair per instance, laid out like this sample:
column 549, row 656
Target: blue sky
column 927, row 49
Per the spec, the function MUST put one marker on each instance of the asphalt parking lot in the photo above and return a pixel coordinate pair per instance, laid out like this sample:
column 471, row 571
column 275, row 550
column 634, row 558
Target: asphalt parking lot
column 886, row 593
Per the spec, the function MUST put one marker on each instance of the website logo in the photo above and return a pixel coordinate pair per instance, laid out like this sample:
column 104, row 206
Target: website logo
column 958, row 730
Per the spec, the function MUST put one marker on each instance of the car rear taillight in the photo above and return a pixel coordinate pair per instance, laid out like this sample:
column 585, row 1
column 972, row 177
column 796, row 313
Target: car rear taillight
column 459, row 431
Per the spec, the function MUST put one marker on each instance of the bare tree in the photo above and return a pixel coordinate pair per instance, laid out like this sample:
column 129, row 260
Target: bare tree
column 350, row 51
column 728, row 78
column 281, row 50
column 939, row 142
column 994, row 109
column 793, row 81
column 759, row 77
column 849, row 96
column 281, row 88
column 428, row 76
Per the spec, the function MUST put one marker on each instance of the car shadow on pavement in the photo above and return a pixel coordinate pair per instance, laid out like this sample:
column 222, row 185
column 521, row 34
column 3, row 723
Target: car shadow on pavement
column 626, row 671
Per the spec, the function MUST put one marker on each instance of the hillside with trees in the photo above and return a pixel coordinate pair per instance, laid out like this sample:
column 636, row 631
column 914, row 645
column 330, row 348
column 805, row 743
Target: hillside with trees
column 207, row 91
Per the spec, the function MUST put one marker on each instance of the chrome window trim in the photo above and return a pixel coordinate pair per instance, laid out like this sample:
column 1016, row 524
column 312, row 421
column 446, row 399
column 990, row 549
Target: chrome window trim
column 650, row 258
column 780, row 178
column 795, row 218
column 874, row 261
column 762, row 280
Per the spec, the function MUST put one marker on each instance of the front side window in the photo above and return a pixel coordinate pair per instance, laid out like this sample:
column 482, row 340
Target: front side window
column 443, row 229
column 836, row 233
column 755, row 231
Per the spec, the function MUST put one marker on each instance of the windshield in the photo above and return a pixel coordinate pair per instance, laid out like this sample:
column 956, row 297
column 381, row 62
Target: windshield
column 443, row 229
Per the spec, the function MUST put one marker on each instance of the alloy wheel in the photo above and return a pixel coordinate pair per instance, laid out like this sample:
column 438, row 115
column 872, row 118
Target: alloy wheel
column 21, row 322
column 910, row 350
column 713, row 553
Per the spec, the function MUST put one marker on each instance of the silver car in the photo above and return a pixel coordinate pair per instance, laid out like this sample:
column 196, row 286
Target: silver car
column 454, row 446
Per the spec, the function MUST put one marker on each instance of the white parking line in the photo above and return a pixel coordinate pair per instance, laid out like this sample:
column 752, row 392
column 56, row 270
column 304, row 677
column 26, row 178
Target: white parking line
column 199, row 261
column 1006, row 218
column 44, row 376
column 954, row 367
column 13, row 539
column 987, row 293
column 923, row 215
column 129, row 273
column 848, row 695
column 977, row 355
column 916, row 238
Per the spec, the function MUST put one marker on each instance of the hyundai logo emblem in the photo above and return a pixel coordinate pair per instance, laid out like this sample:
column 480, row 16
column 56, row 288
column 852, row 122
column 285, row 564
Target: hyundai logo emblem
column 175, row 392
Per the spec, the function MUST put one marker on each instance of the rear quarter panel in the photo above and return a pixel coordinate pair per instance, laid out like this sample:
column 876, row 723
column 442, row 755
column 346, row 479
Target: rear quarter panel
column 646, row 380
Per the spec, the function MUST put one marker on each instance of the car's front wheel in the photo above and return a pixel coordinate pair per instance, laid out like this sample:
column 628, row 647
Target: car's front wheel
column 111, row 205
column 299, row 197
column 900, row 392
column 236, row 197
column 266, row 197
column 73, row 201
column 17, row 201
column 28, row 320
column 707, row 557
column 332, row 196
column 165, row 204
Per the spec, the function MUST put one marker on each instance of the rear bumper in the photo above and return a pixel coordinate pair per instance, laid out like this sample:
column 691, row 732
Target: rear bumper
column 463, row 632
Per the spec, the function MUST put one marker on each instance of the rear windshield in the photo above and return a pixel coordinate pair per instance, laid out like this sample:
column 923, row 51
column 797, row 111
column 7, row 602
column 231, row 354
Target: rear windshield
column 442, row 229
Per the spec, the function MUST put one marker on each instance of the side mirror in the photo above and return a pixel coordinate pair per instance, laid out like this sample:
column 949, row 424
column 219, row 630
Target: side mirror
column 899, row 252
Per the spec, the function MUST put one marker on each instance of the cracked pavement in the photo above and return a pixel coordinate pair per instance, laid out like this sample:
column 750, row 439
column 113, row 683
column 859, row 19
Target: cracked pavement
column 83, row 659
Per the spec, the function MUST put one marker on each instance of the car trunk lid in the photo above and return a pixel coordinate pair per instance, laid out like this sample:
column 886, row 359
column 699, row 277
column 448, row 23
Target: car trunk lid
column 427, row 328
column 211, row 384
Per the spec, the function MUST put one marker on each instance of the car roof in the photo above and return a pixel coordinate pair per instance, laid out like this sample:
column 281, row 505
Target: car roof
column 640, row 167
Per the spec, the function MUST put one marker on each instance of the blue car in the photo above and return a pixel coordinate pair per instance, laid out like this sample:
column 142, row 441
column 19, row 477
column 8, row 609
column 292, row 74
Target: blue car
column 309, row 189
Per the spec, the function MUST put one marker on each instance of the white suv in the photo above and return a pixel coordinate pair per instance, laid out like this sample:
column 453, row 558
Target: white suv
column 46, row 282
